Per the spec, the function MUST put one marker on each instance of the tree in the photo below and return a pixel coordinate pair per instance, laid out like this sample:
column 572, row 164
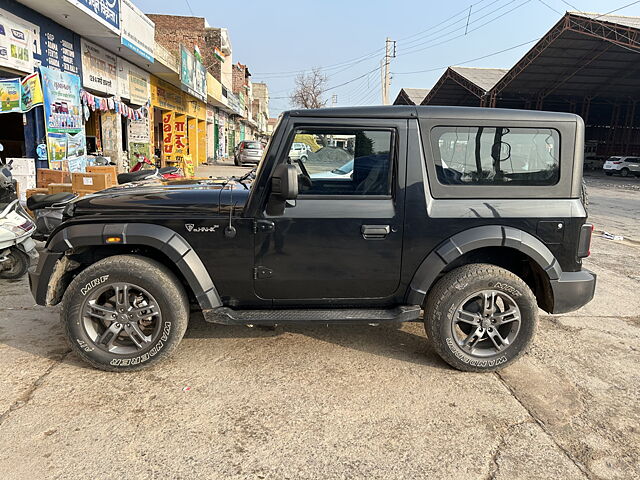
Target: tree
column 309, row 89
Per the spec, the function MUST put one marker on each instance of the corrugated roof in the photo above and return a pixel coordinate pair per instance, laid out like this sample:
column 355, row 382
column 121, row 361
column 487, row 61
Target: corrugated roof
column 485, row 78
column 633, row 22
column 416, row 94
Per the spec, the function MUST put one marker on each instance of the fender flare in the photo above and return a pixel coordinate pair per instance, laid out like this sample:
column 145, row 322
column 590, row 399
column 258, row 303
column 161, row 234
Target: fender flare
column 172, row 244
column 473, row 239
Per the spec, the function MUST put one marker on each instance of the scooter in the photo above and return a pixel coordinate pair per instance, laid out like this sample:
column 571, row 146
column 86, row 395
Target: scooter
column 17, row 248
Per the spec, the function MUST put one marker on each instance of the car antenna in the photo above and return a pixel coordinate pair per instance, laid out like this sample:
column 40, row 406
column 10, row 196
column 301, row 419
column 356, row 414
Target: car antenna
column 230, row 231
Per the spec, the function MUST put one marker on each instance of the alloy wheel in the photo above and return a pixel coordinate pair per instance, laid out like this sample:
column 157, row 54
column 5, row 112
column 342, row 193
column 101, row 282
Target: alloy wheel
column 121, row 318
column 486, row 323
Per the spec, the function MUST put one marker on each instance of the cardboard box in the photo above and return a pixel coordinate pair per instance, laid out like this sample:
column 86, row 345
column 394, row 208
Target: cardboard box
column 34, row 191
column 46, row 176
column 59, row 188
column 110, row 169
column 83, row 183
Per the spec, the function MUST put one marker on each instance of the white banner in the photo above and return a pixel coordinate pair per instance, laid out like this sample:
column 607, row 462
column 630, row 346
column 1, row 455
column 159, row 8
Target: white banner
column 137, row 31
column 99, row 68
column 18, row 40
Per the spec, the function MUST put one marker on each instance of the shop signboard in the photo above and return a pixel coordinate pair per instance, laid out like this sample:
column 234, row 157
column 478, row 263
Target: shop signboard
column 193, row 75
column 137, row 31
column 99, row 68
column 106, row 12
column 17, row 41
column 60, row 49
column 133, row 83
column 166, row 96
column 210, row 115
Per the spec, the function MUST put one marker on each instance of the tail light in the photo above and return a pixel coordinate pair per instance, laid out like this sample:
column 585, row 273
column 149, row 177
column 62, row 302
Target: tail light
column 616, row 163
column 584, row 242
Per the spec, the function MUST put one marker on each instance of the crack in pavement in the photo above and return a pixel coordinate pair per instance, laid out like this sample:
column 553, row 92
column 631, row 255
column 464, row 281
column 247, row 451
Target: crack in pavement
column 494, row 467
column 26, row 397
column 585, row 471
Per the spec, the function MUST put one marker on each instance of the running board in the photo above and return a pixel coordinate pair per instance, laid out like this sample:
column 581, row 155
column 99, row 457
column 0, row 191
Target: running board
column 229, row 316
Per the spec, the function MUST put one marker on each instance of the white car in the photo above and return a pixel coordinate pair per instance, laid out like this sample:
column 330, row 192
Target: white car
column 344, row 171
column 299, row 151
column 625, row 166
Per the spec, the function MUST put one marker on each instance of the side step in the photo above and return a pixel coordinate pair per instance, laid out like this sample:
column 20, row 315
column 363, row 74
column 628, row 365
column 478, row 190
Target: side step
column 229, row 316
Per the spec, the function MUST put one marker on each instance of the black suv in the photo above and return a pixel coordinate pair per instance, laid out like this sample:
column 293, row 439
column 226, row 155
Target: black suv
column 468, row 218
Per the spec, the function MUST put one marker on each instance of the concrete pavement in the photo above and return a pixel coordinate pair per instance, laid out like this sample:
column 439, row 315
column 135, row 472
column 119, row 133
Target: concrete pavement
column 330, row 402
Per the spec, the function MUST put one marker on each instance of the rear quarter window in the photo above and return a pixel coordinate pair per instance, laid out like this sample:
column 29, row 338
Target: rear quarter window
column 496, row 156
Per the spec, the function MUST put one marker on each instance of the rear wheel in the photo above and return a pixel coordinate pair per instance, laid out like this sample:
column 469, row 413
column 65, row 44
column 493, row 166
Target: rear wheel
column 624, row 172
column 124, row 313
column 15, row 265
column 608, row 174
column 480, row 317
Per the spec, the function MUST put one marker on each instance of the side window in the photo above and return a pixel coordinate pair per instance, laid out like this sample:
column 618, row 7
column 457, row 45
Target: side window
column 512, row 156
column 345, row 161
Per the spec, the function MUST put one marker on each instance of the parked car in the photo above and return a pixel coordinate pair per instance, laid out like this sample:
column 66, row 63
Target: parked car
column 248, row 151
column 625, row 166
column 478, row 243
column 299, row 151
column 343, row 171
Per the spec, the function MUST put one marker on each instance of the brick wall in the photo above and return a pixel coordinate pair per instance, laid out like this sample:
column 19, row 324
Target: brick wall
column 239, row 78
column 173, row 30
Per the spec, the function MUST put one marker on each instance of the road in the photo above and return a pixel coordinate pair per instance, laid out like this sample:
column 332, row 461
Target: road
column 331, row 402
column 619, row 212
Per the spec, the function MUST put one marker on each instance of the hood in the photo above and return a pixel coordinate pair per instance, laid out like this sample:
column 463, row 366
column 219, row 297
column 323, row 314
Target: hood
column 181, row 197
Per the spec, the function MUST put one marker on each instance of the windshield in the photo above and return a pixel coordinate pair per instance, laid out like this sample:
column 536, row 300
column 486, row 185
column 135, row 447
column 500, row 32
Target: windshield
column 266, row 148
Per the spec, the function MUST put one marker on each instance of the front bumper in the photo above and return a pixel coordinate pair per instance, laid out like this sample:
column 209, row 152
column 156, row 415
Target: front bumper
column 573, row 290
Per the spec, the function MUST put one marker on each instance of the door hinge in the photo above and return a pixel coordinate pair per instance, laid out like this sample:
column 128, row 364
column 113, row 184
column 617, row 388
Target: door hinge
column 262, row 272
column 263, row 226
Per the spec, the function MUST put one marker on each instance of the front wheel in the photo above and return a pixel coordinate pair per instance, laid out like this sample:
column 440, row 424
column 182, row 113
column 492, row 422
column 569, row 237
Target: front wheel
column 480, row 317
column 124, row 313
column 14, row 265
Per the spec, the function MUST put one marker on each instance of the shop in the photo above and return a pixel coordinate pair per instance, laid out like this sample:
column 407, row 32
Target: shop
column 179, row 126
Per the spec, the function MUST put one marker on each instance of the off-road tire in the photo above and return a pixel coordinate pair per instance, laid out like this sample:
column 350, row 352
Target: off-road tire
column 155, row 278
column 20, row 266
column 458, row 284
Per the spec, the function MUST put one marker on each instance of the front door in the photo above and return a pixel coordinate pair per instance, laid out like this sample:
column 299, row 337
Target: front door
column 342, row 237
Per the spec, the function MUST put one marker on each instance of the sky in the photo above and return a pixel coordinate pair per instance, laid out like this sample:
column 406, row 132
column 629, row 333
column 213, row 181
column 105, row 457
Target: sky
column 279, row 39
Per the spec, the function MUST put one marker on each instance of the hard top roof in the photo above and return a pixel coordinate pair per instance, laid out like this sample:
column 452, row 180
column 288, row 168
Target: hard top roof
column 410, row 111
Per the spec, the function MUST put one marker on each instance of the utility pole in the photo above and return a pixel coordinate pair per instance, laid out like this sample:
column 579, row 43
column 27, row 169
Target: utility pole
column 390, row 52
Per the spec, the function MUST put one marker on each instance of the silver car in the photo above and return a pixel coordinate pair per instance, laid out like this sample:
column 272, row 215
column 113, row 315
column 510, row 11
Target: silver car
column 248, row 151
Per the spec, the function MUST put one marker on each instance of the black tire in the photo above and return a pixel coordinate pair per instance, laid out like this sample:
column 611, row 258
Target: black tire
column 624, row 172
column 453, row 290
column 141, row 275
column 303, row 158
column 19, row 264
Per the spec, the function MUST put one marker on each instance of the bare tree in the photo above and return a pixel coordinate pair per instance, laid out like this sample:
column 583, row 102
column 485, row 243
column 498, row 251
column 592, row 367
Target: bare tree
column 309, row 89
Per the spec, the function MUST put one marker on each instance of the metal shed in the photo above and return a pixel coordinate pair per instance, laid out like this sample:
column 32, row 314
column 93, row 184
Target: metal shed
column 411, row 96
column 587, row 64
column 463, row 86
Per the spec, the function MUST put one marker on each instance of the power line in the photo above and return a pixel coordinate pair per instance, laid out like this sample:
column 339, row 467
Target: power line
column 470, row 61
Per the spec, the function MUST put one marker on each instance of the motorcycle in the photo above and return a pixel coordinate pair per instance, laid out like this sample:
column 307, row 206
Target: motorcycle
column 17, row 248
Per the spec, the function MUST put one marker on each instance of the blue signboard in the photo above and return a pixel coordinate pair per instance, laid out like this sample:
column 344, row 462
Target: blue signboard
column 106, row 10
column 55, row 46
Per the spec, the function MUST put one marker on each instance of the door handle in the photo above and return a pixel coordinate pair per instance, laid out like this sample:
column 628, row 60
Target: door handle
column 375, row 232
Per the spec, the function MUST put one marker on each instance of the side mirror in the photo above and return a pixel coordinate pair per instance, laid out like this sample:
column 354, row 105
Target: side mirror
column 284, row 182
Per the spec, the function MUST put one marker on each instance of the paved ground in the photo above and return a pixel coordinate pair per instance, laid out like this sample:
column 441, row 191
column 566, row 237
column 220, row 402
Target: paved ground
column 332, row 402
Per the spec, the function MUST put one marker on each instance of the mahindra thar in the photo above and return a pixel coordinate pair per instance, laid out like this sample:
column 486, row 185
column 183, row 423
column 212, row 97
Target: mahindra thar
column 468, row 219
